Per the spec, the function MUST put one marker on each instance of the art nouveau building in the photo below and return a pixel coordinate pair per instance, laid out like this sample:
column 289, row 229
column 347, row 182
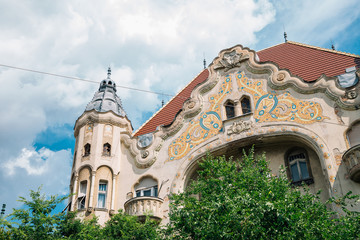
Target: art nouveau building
column 296, row 102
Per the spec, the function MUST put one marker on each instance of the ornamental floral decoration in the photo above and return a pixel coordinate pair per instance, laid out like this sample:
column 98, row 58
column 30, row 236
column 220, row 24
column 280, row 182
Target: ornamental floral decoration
column 269, row 107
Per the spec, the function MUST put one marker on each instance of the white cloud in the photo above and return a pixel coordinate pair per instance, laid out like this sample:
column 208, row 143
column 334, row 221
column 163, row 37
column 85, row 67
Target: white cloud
column 31, row 169
column 151, row 45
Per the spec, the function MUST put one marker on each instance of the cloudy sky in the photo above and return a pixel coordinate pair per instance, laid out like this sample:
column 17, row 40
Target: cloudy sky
column 151, row 45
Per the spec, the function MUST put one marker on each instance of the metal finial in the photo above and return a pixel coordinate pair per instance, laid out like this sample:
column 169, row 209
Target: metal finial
column 109, row 73
column 332, row 47
column 162, row 103
column 204, row 63
column 3, row 210
column 285, row 36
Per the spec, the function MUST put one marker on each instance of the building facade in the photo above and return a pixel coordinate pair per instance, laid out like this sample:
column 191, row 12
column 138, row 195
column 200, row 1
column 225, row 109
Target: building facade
column 297, row 103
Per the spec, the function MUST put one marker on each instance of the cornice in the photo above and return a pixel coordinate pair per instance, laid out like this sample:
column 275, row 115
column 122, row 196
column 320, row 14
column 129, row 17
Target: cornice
column 102, row 117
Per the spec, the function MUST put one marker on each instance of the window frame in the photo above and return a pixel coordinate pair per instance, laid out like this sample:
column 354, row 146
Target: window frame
column 153, row 191
column 81, row 199
column 248, row 108
column 106, row 152
column 102, row 192
column 228, row 105
column 296, row 151
column 87, row 149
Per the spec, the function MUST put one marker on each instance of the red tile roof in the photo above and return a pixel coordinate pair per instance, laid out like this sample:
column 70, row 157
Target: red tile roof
column 309, row 62
column 305, row 61
column 167, row 114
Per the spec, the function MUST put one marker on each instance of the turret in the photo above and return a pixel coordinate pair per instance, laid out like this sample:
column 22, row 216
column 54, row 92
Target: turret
column 98, row 154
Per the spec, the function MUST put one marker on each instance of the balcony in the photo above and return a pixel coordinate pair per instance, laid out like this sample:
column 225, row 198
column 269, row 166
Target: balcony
column 144, row 206
column 351, row 158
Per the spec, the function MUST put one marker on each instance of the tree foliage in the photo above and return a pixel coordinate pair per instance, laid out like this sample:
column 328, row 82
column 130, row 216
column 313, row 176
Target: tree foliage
column 37, row 220
column 243, row 200
column 230, row 200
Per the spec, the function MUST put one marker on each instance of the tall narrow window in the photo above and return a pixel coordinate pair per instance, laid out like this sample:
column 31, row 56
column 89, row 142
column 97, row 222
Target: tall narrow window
column 102, row 194
column 106, row 149
column 298, row 165
column 87, row 149
column 82, row 195
column 230, row 109
column 245, row 105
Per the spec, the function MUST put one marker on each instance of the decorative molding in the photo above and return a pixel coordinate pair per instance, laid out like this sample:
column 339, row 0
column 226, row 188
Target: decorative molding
column 230, row 60
column 143, row 157
column 281, row 78
column 90, row 117
column 239, row 126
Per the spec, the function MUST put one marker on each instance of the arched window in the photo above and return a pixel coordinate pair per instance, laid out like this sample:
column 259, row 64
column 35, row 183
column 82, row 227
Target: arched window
column 106, row 149
column 298, row 166
column 230, row 109
column 87, row 148
column 245, row 105
column 353, row 134
column 146, row 187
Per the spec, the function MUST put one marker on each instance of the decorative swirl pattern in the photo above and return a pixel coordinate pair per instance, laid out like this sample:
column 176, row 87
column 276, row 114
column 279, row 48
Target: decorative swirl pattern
column 207, row 125
column 273, row 107
column 269, row 107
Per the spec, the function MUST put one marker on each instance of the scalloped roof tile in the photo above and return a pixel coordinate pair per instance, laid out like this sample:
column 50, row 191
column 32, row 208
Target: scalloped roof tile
column 305, row 61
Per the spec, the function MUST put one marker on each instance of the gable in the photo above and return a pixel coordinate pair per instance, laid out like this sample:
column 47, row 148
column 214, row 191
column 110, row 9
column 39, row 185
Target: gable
column 306, row 62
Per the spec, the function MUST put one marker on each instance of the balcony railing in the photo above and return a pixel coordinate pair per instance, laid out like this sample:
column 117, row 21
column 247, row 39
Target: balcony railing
column 351, row 158
column 144, row 206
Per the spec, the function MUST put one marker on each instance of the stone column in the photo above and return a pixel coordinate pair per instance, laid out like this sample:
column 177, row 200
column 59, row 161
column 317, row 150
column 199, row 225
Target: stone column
column 92, row 190
column 113, row 193
column 73, row 201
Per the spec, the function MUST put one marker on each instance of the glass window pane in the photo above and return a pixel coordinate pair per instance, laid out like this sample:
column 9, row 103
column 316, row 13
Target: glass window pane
column 101, row 200
column 147, row 192
column 155, row 191
column 83, row 188
column 102, row 187
column 138, row 193
column 245, row 105
column 294, row 172
column 304, row 170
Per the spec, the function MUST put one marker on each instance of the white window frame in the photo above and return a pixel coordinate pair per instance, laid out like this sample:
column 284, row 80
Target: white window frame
column 82, row 195
column 153, row 191
column 102, row 192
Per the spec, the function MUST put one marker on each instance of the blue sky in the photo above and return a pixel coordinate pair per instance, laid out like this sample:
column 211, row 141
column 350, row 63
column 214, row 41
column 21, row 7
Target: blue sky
column 151, row 45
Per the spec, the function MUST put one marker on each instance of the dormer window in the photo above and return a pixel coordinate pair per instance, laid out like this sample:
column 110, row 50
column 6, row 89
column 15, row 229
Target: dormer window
column 230, row 109
column 245, row 105
column 106, row 149
column 87, row 148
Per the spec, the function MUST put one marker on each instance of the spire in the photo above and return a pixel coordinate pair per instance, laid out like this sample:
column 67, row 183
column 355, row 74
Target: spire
column 106, row 99
column 109, row 73
column 204, row 61
column 285, row 36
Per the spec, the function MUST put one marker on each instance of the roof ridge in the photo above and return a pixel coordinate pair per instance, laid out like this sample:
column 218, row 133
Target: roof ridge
column 323, row 49
column 269, row 47
column 168, row 102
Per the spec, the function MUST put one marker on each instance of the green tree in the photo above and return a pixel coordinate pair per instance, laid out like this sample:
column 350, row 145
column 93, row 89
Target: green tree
column 122, row 226
column 35, row 220
column 242, row 200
